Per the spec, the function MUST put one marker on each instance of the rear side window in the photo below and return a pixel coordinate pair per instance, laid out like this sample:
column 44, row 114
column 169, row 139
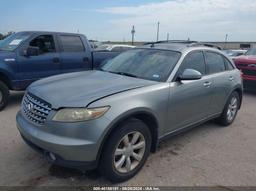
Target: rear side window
column 229, row 66
column 194, row 60
column 214, row 62
column 71, row 43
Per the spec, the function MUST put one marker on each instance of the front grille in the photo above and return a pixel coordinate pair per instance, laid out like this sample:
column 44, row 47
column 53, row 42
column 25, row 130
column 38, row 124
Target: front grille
column 35, row 109
column 247, row 69
column 249, row 72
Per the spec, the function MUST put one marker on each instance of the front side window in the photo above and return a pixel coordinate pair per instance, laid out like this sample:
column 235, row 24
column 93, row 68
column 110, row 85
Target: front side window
column 71, row 43
column 148, row 64
column 214, row 62
column 45, row 44
column 195, row 61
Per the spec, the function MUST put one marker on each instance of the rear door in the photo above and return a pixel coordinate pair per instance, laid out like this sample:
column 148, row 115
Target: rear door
column 190, row 101
column 223, row 75
column 73, row 54
column 45, row 64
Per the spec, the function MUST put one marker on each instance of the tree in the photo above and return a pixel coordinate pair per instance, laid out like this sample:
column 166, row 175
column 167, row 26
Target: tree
column 2, row 36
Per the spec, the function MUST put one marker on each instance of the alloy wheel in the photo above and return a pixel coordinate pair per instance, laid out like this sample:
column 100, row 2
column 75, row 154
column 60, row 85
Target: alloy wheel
column 232, row 108
column 129, row 152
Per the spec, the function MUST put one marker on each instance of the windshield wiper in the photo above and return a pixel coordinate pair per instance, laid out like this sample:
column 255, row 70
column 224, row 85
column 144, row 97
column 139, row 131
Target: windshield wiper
column 124, row 74
column 120, row 73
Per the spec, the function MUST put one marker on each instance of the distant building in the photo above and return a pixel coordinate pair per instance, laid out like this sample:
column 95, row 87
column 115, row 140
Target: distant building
column 235, row 45
column 223, row 45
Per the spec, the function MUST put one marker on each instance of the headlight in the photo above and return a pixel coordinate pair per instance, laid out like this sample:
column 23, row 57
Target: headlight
column 79, row 114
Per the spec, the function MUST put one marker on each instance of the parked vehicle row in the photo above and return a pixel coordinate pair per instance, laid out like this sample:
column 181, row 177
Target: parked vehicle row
column 247, row 64
column 234, row 53
column 29, row 56
column 113, row 118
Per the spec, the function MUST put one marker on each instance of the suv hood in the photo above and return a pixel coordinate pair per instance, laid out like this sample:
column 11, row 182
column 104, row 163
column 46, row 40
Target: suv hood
column 245, row 59
column 81, row 88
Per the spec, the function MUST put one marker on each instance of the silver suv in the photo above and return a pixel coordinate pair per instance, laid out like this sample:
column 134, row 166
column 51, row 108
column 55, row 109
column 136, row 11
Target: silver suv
column 112, row 119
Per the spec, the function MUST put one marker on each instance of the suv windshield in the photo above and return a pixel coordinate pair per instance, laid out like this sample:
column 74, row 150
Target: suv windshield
column 251, row 52
column 13, row 41
column 147, row 64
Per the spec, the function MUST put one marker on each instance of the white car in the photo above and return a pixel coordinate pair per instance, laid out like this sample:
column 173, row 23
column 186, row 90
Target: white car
column 114, row 47
column 234, row 53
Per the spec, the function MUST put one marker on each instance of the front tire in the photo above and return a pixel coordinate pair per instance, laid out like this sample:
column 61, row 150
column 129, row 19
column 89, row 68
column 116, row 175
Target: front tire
column 126, row 151
column 4, row 95
column 230, row 111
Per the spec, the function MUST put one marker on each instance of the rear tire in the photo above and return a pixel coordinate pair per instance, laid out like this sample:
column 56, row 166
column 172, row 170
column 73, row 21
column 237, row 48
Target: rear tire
column 4, row 95
column 126, row 151
column 230, row 111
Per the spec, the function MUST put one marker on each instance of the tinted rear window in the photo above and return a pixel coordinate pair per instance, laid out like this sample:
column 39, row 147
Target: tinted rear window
column 71, row 43
column 214, row 62
column 229, row 66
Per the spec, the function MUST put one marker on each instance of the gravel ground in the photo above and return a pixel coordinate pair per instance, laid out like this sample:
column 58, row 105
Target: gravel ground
column 208, row 155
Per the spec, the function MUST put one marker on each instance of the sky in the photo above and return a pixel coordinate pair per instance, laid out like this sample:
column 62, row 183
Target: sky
column 203, row 20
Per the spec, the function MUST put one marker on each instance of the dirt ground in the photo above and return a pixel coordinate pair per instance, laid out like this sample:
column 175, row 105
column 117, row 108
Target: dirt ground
column 208, row 155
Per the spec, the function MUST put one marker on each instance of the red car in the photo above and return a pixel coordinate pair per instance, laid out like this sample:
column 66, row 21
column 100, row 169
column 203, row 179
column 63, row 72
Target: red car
column 247, row 64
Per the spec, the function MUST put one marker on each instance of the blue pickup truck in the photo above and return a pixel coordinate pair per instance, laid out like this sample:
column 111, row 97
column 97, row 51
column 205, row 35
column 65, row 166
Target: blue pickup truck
column 31, row 55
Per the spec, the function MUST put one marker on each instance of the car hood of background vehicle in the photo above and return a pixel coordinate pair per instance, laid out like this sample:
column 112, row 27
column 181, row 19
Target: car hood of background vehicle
column 245, row 59
column 81, row 88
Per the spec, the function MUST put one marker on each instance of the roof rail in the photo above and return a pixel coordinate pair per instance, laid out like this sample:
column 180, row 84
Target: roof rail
column 188, row 42
column 171, row 41
column 204, row 44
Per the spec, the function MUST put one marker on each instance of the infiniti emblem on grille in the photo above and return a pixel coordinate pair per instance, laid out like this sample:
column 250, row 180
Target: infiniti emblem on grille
column 30, row 106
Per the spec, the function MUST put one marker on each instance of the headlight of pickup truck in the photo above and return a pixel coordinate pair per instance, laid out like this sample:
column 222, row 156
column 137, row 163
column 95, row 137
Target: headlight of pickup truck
column 79, row 114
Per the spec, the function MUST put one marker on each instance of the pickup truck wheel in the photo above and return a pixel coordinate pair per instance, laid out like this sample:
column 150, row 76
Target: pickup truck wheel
column 126, row 151
column 230, row 111
column 4, row 95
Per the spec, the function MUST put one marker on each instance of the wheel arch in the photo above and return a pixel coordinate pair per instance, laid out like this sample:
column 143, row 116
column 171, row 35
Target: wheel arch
column 239, row 90
column 5, row 79
column 145, row 116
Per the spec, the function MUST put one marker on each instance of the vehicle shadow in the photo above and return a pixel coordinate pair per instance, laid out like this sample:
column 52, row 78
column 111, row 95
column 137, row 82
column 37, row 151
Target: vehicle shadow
column 15, row 98
column 250, row 92
column 77, row 176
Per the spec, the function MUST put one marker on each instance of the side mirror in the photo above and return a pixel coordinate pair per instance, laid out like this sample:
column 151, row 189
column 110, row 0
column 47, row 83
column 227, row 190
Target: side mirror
column 190, row 74
column 31, row 51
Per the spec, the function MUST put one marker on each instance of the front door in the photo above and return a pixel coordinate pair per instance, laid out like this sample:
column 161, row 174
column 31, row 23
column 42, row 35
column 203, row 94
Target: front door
column 190, row 101
column 47, row 63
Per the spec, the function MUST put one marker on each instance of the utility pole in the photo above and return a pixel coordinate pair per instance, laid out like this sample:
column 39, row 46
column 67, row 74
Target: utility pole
column 168, row 37
column 157, row 34
column 133, row 32
column 226, row 40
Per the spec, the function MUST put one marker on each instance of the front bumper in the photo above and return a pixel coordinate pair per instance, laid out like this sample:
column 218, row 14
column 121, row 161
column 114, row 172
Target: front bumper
column 72, row 144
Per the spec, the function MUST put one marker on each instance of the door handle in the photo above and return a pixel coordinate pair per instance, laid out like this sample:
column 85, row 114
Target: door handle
column 56, row 60
column 207, row 84
column 231, row 78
